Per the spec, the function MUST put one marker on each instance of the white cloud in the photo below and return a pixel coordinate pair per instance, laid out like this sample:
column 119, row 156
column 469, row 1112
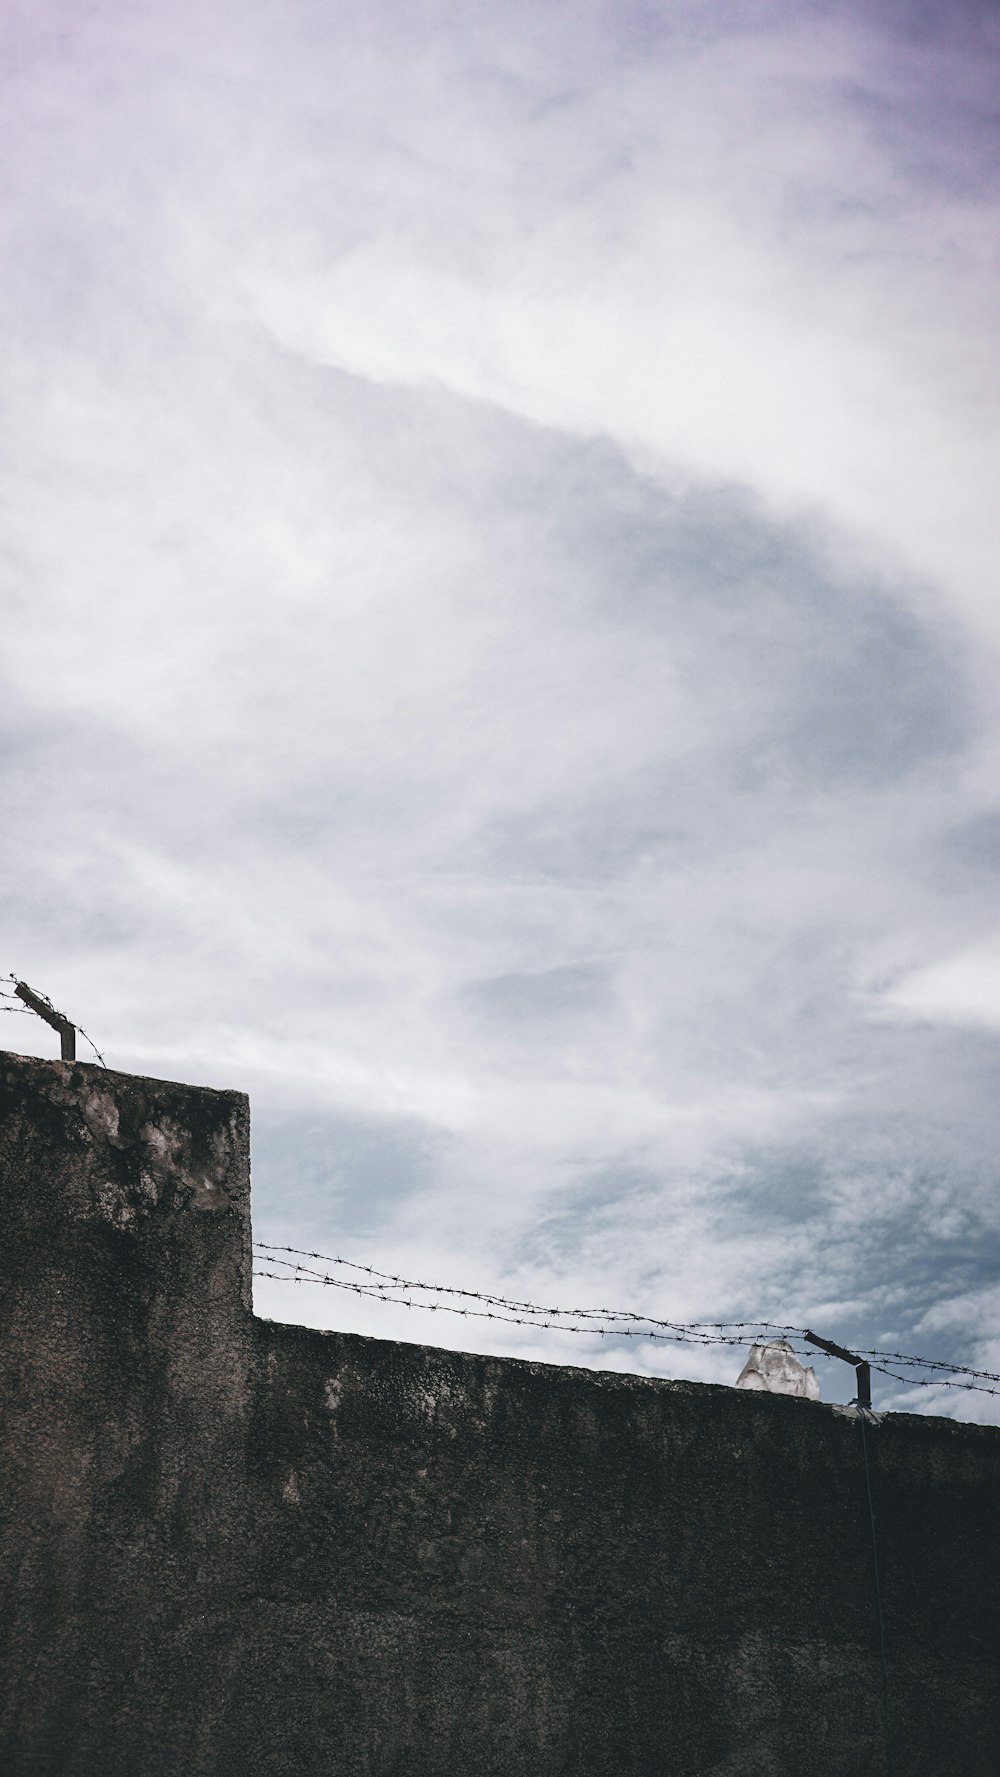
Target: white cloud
column 960, row 989
column 495, row 601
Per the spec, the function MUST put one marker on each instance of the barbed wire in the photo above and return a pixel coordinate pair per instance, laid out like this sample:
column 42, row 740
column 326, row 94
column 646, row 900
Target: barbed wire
column 93, row 1045
column 603, row 1323
column 5, row 995
column 374, row 1292
column 701, row 1329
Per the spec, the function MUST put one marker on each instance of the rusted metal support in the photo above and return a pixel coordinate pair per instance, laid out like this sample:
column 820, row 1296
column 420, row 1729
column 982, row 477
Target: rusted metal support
column 861, row 1367
column 38, row 1003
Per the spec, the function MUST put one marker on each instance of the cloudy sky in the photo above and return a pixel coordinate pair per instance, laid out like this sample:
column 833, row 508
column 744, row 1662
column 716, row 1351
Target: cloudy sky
column 500, row 638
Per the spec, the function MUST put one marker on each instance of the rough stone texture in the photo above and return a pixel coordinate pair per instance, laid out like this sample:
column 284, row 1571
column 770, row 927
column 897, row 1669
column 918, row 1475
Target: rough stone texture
column 232, row 1547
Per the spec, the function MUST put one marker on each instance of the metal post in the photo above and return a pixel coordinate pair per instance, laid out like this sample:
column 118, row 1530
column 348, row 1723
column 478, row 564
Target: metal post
column 861, row 1368
column 864, row 1398
column 37, row 1003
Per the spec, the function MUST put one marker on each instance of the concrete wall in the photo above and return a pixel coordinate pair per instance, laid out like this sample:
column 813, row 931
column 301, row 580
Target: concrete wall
column 228, row 1546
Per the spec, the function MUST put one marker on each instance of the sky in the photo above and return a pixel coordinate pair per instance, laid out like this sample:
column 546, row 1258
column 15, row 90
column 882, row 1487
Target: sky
column 500, row 639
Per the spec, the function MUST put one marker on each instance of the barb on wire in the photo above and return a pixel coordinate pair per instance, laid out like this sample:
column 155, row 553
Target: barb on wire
column 93, row 1045
column 604, row 1323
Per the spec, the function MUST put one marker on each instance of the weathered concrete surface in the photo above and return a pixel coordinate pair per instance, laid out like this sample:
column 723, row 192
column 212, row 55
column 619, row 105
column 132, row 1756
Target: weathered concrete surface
column 232, row 1547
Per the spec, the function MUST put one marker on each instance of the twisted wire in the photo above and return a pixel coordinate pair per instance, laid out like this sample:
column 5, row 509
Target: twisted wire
column 603, row 1323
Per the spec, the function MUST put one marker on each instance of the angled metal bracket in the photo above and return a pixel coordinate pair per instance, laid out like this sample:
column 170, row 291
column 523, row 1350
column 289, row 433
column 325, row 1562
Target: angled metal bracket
column 38, row 1003
column 861, row 1367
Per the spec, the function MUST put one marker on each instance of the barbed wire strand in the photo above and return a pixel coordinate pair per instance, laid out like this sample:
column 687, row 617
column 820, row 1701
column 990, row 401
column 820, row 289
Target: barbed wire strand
column 708, row 1332
column 93, row 1045
column 374, row 1293
column 603, row 1323
column 443, row 1289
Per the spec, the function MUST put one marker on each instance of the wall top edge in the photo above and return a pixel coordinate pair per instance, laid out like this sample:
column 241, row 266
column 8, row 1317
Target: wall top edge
column 66, row 1072
column 500, row 1367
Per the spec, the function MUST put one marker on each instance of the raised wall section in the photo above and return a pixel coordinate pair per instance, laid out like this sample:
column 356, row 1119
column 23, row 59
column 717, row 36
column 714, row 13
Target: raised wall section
column 234, row 1548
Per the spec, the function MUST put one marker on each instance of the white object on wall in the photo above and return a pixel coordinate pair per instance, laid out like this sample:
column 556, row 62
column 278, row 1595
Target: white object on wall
column 774, row 1368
